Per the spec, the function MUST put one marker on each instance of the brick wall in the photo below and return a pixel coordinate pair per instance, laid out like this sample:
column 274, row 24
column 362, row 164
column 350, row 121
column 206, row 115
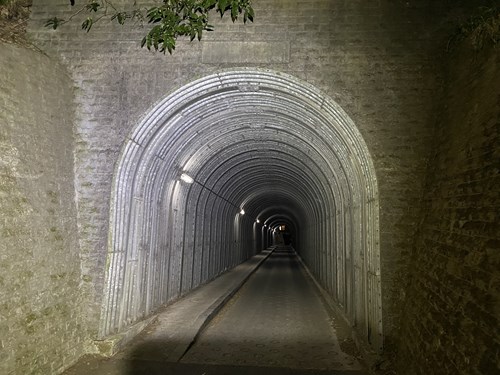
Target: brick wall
column 372, row 58
column 41, row 326
column 452, row 312
column 376, row 59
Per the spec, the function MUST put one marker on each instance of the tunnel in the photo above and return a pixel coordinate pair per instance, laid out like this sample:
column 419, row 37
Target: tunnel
column 231, row 164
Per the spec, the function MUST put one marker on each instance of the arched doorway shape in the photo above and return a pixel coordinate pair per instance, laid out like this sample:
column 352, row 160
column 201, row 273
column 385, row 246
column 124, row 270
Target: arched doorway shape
column 158, row 237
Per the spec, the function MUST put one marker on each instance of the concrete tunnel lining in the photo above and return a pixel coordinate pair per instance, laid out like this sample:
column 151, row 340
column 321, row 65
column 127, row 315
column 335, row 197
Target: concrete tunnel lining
column 167, row 237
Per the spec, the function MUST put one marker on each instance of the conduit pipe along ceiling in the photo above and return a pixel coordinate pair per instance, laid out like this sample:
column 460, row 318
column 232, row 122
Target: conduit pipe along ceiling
column 257, row 141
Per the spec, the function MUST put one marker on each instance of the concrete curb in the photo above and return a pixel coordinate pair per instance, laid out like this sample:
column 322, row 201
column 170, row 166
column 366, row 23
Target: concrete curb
column 113, row 344
column 189, row 332
column 207, row 316
column 368, row 357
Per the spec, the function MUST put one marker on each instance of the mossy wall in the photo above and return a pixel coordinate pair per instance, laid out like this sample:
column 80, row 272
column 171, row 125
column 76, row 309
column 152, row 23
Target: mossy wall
column 451, row 318
column 375, row 60
column 381, row 61
column 41, row 326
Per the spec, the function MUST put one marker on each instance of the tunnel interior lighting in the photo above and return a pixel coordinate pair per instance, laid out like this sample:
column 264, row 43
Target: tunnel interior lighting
column 257, row 221
column 187, row 178
column 307, row 148
column 242, row 212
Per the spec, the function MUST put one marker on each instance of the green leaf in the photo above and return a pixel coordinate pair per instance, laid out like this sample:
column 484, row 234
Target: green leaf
column 54, row 22
column 121, row 18
column 93, row 6
column 209, row 4
column 234, row 11
column 170, row 44
column 154, row 15
column 221, row 6
column 87, row 24
column 251, row 13
column 248, row 14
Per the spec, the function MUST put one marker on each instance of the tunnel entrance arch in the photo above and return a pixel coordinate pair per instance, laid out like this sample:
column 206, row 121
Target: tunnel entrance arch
column 237, row 132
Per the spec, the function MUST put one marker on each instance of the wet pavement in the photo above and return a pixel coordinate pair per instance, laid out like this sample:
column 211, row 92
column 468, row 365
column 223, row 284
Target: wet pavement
column 276, row 324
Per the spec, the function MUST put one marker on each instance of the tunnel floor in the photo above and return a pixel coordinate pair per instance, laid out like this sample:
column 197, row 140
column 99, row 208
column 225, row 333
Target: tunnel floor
column 277, row 323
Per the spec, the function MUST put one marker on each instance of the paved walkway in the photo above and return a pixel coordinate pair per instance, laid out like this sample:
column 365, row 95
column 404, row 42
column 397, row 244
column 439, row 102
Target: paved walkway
column 276, row 324
column 276, row 319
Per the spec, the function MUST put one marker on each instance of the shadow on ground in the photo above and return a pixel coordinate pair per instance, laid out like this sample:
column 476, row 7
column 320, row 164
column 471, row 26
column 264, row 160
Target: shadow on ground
column 148, row 359
column 277, row 323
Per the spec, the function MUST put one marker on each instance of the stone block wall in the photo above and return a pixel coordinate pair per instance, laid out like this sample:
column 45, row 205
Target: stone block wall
column 41, row 320
column 373, row 58
column 451, row 320
column 379, row 60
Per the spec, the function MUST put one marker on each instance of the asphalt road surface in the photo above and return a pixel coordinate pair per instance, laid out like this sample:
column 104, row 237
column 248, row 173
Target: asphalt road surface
column 277, row 319
column 276, row 324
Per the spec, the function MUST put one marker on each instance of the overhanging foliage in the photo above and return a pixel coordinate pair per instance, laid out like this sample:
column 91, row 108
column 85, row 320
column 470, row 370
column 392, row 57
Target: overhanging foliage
column 169, row 20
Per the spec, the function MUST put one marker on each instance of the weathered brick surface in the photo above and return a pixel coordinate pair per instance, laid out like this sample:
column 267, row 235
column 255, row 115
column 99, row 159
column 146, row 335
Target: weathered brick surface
column 453, row 307
column 376, row 59
column 41, row 326
column 371, row 58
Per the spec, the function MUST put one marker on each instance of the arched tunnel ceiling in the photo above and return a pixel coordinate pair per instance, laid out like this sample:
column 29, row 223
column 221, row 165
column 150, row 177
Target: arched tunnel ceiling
column 239, row 140
column 260, row 140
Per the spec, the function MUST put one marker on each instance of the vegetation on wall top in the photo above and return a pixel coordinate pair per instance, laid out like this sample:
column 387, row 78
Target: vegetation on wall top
column 169, row 20
column 14, row 16
column 481, row 29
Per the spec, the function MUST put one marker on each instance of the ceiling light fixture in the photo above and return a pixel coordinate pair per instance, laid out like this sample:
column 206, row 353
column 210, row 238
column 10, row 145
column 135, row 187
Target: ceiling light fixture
column 187, row 178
